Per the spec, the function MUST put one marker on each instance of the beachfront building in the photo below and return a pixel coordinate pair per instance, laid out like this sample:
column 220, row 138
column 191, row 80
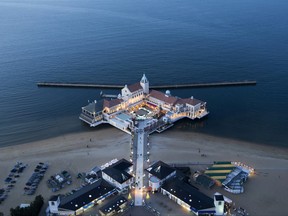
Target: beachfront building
column 190, row 198
column 115, row 206
column 138, row 101
column 119, row 174
column 159, row 172
column 219, row 204
column 81, row 200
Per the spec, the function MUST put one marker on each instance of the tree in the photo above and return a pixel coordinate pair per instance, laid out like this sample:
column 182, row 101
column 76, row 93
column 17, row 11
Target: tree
column 32, row 210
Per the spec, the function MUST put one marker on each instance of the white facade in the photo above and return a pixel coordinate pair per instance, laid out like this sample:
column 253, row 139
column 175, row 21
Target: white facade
column 126, row 93
column 187, row 206
column 145, row 84
column 122, row 125
column 155, row 183
column 53, row 208
column 115, row 183
column 219, row 207
column 134, row 96
column 156, row 101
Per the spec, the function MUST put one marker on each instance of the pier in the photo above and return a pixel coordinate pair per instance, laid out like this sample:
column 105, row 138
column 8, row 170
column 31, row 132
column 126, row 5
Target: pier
column 140, row 143
column 172, row 86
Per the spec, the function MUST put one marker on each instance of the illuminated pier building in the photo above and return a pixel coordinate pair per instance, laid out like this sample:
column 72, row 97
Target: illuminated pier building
column 138, row 101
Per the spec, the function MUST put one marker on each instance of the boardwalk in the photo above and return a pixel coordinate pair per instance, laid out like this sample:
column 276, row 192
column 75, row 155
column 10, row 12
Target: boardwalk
column 139, row 177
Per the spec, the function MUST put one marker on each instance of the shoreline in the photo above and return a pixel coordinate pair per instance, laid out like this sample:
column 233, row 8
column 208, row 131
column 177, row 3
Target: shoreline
column 80, row 152
column 71, row 141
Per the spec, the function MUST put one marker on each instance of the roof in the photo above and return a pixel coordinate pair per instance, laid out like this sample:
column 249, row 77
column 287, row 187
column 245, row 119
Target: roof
column 123, row 116
column 160, row 169
column 122, row 164
column 53, row 198
column 144, row 79
column 219, row 198
column 117, row 171
column 205, row 180
column 112, row 103
column 113, row 205
column 117, row 175
column 134, row 87
column 188, row 194
column 85, row 195
column 191, row 101
column 163, row 97
column 94, row 107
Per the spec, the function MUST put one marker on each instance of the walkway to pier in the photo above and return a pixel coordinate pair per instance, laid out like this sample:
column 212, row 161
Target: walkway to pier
column 139, row 177
column 107, row 86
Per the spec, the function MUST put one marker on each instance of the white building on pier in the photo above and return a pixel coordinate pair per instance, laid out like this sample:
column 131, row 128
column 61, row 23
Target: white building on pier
column 138, row 101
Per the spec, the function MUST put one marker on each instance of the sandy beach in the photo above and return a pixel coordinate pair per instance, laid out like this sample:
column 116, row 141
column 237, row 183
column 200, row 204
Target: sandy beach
column 265, row 192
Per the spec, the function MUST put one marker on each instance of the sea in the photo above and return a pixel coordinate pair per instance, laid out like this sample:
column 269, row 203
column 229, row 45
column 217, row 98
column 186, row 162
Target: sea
column 171, row 41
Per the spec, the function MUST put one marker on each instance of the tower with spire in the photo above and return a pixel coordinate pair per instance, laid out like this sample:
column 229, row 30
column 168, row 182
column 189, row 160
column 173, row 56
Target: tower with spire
column 145, row 84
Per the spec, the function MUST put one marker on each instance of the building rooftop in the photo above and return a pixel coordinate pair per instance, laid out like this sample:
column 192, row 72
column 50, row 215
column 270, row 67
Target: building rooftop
column 111, row 103
column 85, row 195
column 134, row 87
column 94, row 107
column 188, row 194
column 117, row 175
column 122, row 164
column 160, row 169
column 219, row 198
column 113, row 205
column 117, row 171
column 191, row 101
column 205, row 180
column 54, row 198
column 163, row 97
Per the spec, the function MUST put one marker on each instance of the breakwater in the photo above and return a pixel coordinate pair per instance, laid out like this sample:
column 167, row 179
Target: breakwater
column 171, row 86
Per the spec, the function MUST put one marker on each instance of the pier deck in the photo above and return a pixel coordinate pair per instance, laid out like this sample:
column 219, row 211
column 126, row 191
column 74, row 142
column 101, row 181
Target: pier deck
column 107, row 86
column 139, row 174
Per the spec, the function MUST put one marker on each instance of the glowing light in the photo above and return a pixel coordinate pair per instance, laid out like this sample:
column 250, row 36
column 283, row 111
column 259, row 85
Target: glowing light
column 147, row 196
column 185, row 207
column 129, row 196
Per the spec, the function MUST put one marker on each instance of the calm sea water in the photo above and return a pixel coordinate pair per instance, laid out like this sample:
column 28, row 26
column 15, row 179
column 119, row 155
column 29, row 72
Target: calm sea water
column 109, row 41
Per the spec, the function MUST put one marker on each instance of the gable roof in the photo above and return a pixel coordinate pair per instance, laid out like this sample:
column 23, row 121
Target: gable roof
column 163, row 97
column 94, row 107
column 134, row 87
column 160, row 169
column 85, row 195
column 188, row 194
column 117, row 171
column 191, row 101
column 111, row 103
